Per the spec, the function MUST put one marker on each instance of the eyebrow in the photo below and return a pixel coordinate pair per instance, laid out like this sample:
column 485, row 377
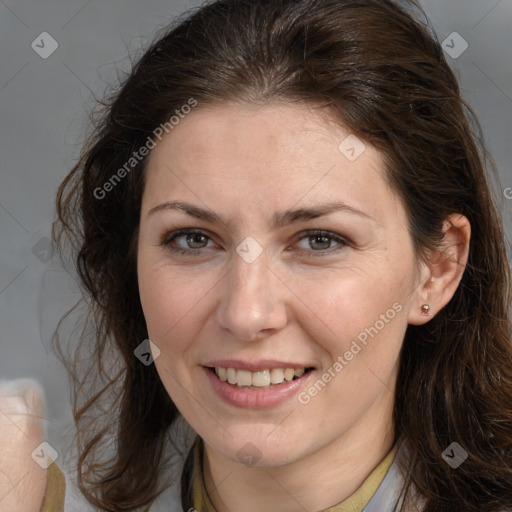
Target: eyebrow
column 279, row 220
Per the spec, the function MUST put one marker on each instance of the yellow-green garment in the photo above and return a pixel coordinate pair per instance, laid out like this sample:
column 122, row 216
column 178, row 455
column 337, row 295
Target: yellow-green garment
column 55, row 490
column 354, row 503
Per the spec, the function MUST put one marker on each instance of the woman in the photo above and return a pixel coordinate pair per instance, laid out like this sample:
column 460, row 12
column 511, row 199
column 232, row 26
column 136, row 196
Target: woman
column 287, row 198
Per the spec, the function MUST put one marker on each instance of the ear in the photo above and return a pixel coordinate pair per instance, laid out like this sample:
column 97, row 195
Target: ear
column 443, row 270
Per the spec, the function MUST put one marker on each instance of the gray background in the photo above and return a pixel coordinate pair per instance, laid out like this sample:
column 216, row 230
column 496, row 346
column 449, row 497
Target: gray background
column 44, row 106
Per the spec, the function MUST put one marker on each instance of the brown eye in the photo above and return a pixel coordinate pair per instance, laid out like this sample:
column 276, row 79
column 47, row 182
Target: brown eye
column 196, row 240
column 319, row 242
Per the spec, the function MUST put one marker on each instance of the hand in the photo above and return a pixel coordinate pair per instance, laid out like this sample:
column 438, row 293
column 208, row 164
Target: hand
column 22, row 480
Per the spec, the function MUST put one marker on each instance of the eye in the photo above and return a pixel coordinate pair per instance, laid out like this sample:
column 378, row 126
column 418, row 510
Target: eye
column 195, row 240
column 321, row 242
column 187, row 241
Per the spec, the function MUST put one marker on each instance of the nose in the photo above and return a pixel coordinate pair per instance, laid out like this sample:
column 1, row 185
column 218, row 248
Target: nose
column 253, row 302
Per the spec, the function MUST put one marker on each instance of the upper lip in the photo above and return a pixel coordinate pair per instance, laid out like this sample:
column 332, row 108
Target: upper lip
column 255, row 366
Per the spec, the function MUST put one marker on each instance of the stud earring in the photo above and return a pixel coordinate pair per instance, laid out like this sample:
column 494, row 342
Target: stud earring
column 425, row 309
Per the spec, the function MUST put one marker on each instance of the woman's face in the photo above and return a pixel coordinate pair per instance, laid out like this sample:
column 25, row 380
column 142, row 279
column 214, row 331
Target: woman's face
column 269, row 242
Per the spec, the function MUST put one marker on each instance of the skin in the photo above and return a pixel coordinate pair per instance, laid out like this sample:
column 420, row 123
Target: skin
column 247, row 163
column 22, row 481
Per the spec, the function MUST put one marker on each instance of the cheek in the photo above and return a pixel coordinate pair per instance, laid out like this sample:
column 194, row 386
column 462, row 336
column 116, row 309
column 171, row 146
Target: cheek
column 173, row 314
column 358, row 315
column 359, row 326
column 174, row 304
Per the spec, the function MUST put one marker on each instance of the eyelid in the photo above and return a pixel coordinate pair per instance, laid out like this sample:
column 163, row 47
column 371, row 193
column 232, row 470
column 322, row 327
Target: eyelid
column 322, row 232
column 169, row 236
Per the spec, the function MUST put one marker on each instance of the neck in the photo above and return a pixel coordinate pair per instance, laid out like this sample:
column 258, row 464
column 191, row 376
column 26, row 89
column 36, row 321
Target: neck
column 322, row 479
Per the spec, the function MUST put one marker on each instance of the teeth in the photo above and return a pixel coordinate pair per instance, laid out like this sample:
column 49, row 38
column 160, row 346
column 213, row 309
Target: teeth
column 261, row 379
column 276, row 375
column 222, row 374
column 289, row 373
column 231, row 372
column 243, row 378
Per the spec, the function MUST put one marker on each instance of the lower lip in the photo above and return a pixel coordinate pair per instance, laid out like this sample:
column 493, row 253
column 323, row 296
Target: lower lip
column 255, row 398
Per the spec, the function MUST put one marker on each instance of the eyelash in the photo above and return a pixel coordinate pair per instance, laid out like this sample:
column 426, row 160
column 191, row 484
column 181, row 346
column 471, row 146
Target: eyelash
column 173, row 235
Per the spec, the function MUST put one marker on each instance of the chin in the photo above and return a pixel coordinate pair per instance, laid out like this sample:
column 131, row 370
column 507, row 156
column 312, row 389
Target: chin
column 258, row 449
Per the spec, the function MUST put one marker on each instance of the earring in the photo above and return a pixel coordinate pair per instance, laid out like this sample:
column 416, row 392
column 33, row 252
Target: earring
column 425, row 309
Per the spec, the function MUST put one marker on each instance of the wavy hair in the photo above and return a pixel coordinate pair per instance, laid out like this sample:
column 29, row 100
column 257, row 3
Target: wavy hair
column 379, row 71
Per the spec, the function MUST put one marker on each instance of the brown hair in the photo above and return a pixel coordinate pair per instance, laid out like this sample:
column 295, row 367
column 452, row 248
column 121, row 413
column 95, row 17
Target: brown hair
column 383, row 75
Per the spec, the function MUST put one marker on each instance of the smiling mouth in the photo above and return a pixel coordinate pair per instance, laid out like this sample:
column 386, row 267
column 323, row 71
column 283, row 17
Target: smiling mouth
column 264, row 379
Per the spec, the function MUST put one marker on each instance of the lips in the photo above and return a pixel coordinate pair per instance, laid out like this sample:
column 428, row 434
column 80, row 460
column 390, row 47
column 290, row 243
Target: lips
column 241, row 387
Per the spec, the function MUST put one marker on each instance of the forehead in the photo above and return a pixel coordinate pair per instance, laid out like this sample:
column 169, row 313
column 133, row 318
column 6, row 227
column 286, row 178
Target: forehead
column 282, row 153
